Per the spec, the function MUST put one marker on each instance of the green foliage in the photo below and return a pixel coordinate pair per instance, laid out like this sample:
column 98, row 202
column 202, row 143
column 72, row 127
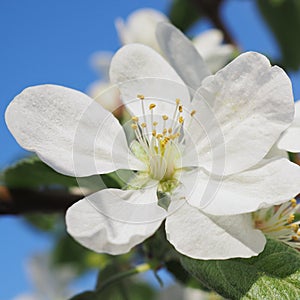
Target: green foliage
column 274, row 274
column 31, row 172
column 183, row 14
column 283, row 18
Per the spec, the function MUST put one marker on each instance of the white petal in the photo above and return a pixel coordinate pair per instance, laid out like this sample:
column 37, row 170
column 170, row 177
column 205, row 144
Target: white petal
column 140, row 70
column 182, row 55
column 113, row 221
column 100, row 61
column 247, row 106
column 269, row 183
column 290, row 140
column 69, row 131
column 140, row 27
column 203, row 236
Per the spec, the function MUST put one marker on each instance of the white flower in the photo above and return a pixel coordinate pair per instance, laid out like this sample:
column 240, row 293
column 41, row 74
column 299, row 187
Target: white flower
column 141, row 25
column 102, row 90
column 204, row 158
column 290, row 139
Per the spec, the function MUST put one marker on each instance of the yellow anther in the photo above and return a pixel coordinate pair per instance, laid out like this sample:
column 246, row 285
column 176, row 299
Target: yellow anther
column 294, row 238
column 291, row 218
column 170, row 130
column 181, row 119
column 294, row 202
column 142, row 97
column 144, row 125
column 165, row 117
column 165, row 131
column 159, row 136
column 156, row 149
column 193, row 113
column 134, row 126
column 295, row 227
column 154, row 123
column 154, row 132
column 151, row 106
column 135, row 119
column 180, row 108
column 177, row 101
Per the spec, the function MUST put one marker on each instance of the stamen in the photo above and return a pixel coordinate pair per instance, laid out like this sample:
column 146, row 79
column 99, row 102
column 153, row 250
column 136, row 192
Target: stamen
column 181, row 119
column 180, row 108
column 170, row 130
column 154, row 124
column 291, row 218
column 135, row 119
column 294, row 202
column 134, row 126
column 141, row 97
column 165, row 131
column 294, row 238
column 151, row 106
column 165, row 117
column 144, row 125
column 177, row 101
column 154, row 133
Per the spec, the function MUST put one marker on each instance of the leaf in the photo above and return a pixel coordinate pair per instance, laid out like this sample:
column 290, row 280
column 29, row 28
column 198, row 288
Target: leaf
column 123, row 289
column 89, row 295
column 32, row 173
column 283, row 18
column 183, row 14
column 274, row 274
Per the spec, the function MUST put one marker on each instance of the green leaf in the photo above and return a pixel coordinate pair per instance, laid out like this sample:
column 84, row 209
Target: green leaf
column 283, row 18
column 183, row 14
column 89, row 295
column 31, row 172
column 124, row 288
column 274, row 274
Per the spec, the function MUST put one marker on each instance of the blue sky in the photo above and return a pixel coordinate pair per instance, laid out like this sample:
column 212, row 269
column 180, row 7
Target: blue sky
column 51, row 42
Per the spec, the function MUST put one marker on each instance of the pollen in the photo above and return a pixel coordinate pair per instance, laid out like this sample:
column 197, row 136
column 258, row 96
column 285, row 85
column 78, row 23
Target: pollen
column 165, row 117
column 134, row 126
column 152, row 105
column 181, row 119
column 193, row 113
column 144, row 125
column 135, row 119
column 154, row 123
column 154, row 132
column 291, row 218
column 180, row 108
column 294, row 202
column 295, row 227
column 142, row 97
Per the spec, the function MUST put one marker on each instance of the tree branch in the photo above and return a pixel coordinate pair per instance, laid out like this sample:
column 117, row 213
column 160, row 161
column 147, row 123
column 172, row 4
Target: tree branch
column 212, row 10
column 22, row 201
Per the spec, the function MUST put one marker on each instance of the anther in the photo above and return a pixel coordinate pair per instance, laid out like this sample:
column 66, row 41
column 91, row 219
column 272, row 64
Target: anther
column 193, row 113
column 159, row 136
column 294, row 238
column 154, row 123
column 142, row 97
column 180, row 108
column 135, row 119
column 165, row 131
column 154, row 132
column 134, row 126
column 295, row 227
column 165, row 117
column 151, row 106
column 294, row 202
column 291, row 218
column 144, row 125
column 181, row 119
column 170, row 130
column 177, row 101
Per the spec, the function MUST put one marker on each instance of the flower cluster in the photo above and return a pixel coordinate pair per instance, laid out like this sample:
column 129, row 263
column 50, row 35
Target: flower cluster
column 201, row 148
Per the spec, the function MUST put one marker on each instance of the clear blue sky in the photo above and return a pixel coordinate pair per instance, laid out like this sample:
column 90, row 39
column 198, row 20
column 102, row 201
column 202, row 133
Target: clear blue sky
column 51, row 42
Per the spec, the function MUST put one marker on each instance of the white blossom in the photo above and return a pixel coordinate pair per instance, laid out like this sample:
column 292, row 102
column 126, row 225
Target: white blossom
column 199, row 164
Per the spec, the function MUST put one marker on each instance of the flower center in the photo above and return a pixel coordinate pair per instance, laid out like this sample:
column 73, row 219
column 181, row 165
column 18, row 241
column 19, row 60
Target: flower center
column 278, row 222
column 159, row 142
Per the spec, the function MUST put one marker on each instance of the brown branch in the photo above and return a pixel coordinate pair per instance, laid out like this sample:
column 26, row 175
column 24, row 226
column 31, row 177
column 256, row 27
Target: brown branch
column 22, row 201
column 212, row 10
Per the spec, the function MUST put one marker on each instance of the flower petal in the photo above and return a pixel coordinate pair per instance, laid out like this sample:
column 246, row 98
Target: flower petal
column 269, row 183
column 69, row 131
column 202, row 236
column 290, row 139
column 113, row 221
column 140, row 27
column 138, row 69
column 182, row 55
column 250, row 103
